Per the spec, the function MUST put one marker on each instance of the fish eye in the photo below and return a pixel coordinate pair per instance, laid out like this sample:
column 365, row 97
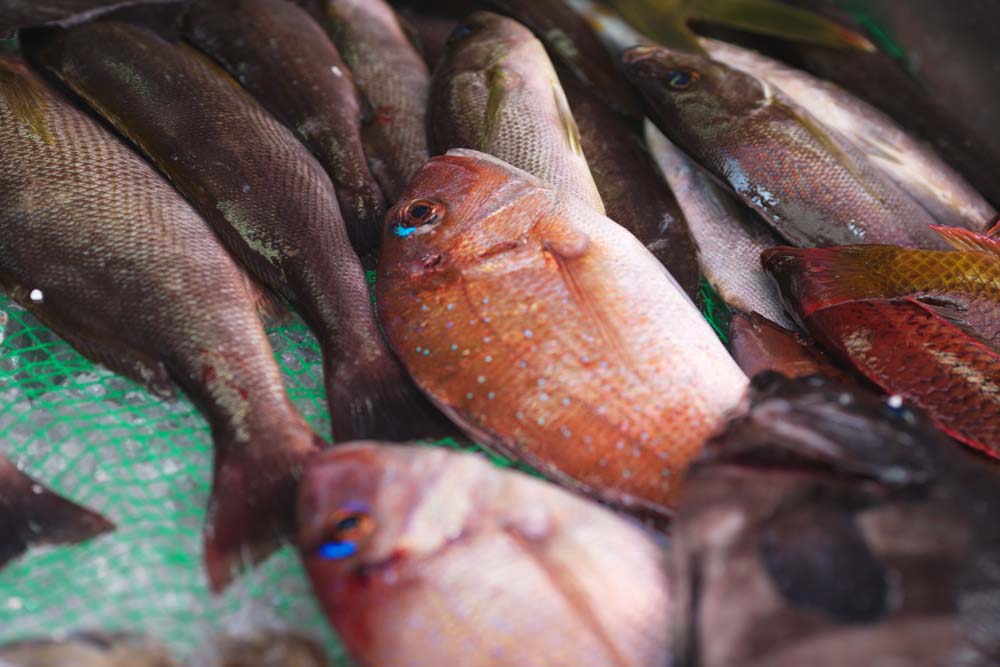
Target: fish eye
column 347, row 530
column 461, row 31
column 681, row 79
column 419, row 213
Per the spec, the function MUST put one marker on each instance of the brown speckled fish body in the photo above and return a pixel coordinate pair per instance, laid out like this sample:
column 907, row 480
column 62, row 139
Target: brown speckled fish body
column 16, row 14
column 395, row 82
column 631, row 187
column 497, row 92
column 30, row 514
column 728, row 237
column 284, row 57
column 811, row 185
column 103, row 250
column 911, row 164
column 262, row 191
column 831, row 526
column 550, row 332
column 450, row 552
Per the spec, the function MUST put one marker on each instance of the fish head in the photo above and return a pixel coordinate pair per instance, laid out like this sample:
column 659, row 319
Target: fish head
column 482, row 40
column 687, row 90
column 460, row 209
column 372, row 517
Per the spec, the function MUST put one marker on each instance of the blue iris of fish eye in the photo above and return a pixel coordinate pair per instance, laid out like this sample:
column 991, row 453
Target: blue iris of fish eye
column 338, row 550
column 461, row 31
column 679, row 78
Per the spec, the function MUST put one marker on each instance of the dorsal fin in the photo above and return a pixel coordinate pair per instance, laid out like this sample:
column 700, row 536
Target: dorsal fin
column 23, row 92
column 967, row 240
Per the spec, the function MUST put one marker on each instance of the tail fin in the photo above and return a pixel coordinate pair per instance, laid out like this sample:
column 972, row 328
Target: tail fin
column 30, row 514
column 252, row 509
column 379, row 402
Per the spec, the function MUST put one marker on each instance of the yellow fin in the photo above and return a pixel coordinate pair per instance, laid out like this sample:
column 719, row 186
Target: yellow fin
column 967, row 240
column 23, row 92
column 566, row 119
column 500, row 83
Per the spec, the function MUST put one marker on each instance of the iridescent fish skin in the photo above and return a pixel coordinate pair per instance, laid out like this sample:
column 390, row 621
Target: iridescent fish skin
column 810, row 184
column 902, row 345
column 423, row 556
column 31, row 514
column 631, row 187
column 910, row 163
column 497, row 92
column 395, row 83
column 729, row 238
column 87, row 650
column 262, row 191
column 550, row 333
column 285, row 59
column 829, row 525
column 100, row 247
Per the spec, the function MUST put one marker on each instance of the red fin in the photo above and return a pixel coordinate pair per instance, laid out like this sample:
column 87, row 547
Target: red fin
column 993, row 227
column 252, row 509
column 758, row 345
column 967, row 240
column 30, row 514
column 817, row 278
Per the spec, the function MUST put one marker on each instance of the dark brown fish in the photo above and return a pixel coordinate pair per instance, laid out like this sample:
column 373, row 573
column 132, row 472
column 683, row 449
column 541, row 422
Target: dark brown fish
column 424, row 557
column 812, row 185
column 104, row 251
column 631, row 187
column 829, row 526
column 428, row 33
column 263, row 192
column 758, row 345
column 15, row 14
column 87, row 650
column 284, row 57
column 30, row 514
column 496, row 91
column 394, row 81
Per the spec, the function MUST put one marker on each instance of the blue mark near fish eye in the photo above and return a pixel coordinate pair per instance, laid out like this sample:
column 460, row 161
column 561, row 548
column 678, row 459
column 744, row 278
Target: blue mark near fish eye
column 402, row 232
column 338, row 550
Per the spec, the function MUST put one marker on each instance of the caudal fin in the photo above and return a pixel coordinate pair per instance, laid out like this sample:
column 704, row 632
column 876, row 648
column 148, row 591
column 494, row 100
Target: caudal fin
column 252, row 509
column 380, row 403
column 32, row 515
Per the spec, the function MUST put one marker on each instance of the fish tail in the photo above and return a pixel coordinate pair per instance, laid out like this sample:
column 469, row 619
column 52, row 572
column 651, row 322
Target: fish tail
column 811, row 279
column 379, row 403
column 252, row 508
column 30, row 514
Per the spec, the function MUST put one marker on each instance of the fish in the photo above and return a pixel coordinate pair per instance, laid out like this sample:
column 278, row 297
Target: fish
column 903, row 346
column 285, row 59
column 828, row 523
column 962, row 284
column 93, row 649
column 262, row 648
column 812, row 186
column 549, row 333
column 428, row 32
column 728, row 236
column 101, row 249
column 759, row 345
column 261, row 190
column 631, row 187
column 31, row 514
column 395, row 83
column 17, row 14
column 938, row 188
column 424, row 556
column 496, row 91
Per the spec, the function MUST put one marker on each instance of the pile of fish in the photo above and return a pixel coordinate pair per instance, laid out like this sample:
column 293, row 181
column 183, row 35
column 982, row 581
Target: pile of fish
column 550, row 194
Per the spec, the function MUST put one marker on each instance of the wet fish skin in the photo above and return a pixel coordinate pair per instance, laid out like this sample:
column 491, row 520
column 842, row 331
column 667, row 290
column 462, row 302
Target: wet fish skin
column 629, row 183
column 285, row 59
column 908, row 162
column 262, row 191
column 31, row 514
column 451, row 551
column 104, row 251
column 812, row 186
column 87, row 650
column 395, row 82
column 729, row 238
column 759, row 345
column 428, row 33
column 550, row 333
column 15, row 14
column 497, row 92
column 826, row 522
column 906, row 348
